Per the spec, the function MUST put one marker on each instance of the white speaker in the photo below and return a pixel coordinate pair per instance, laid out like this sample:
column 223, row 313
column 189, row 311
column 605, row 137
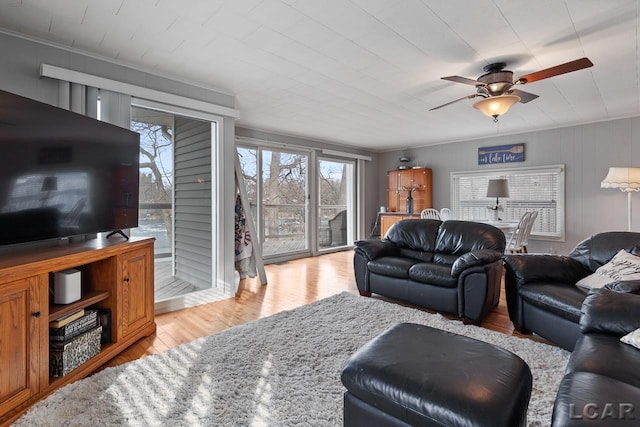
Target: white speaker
column 67, row 286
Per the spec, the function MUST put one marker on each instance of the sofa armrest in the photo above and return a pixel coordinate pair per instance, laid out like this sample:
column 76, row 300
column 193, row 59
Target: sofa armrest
column 473, row 258
column 610, row 312
column 527, row 268
column 371, row 249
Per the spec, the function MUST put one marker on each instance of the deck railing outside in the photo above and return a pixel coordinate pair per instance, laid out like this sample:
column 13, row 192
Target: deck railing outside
column 154, row 218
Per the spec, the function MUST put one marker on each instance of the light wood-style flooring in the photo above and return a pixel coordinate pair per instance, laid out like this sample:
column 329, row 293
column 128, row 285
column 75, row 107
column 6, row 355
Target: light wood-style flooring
column 291, row 284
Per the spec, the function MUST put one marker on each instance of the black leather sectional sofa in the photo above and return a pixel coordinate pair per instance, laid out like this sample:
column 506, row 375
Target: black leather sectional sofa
column 451, row 266
column 541, row 291
column 601, row 386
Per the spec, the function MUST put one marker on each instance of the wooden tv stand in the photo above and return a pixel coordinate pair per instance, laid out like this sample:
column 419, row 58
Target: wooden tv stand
column 116, row 275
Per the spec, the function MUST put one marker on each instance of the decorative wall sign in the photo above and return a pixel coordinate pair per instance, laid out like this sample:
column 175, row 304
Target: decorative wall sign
column 501, row 154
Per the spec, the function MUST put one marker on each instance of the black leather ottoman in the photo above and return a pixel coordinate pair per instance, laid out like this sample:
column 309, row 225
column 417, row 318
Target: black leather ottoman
column 416, row 375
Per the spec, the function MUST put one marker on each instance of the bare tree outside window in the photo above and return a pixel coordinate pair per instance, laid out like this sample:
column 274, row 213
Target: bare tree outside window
column 156, row 175
column 332, row 210
column 282, row 179
column 285, row 192
column 277, row 182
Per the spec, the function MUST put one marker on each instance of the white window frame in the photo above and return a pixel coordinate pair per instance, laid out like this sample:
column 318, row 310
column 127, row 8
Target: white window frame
column 511, row 211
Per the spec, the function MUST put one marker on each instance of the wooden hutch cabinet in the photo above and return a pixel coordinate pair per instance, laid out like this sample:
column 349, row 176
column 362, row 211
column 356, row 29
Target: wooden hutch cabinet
column 398, row 184
column 388, row 219
column 116, row 275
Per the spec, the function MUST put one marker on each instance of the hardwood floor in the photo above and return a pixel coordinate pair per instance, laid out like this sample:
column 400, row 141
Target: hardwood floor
column 291, row 284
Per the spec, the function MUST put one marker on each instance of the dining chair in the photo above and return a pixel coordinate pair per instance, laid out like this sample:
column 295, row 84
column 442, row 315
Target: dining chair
column 445, row 214
column 514, row 244
column 527, row 232
column 430, row 213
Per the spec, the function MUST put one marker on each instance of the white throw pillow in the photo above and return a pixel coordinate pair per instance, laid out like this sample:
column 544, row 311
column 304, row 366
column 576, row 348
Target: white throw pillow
column 632, row 338
column 623, row 266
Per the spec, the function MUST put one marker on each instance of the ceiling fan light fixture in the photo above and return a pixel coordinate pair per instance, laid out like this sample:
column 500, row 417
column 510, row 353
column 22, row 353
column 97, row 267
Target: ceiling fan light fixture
column 495, row 106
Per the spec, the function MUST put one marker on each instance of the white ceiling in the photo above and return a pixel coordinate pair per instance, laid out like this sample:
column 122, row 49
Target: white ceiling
column 363, row 72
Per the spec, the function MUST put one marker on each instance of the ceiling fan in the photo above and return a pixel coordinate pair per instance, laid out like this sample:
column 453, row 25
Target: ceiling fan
column 496, row 86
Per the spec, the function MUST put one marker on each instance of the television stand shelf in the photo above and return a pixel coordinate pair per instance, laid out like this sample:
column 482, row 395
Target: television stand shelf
column 57, row 311
column 117, row 275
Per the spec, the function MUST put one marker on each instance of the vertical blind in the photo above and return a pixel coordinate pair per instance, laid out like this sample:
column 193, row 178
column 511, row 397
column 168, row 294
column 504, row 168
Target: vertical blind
column 538, row 189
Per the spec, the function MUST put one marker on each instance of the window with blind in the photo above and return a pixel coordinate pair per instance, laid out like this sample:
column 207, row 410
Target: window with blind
column 538, row 189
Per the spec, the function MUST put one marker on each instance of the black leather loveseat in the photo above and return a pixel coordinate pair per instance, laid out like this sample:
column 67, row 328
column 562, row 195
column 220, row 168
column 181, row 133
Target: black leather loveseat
column 451, row 266
column 601, row 386
column 541, row 291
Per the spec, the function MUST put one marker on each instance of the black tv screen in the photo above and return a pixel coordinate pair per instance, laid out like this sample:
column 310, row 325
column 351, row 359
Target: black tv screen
column 63, row 174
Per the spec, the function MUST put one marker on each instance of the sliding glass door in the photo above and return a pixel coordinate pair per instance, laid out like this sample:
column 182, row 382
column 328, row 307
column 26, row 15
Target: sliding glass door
column 156, row 177
column 335, row 203
column 176, row 205
column 277, row 188
column 292, row 221
column 284, row 202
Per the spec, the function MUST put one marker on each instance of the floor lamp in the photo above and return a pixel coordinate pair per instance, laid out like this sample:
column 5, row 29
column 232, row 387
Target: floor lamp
column 627, row 180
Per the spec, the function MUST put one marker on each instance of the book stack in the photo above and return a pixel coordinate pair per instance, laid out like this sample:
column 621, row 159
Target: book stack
column 73, row 339
column 70, row 326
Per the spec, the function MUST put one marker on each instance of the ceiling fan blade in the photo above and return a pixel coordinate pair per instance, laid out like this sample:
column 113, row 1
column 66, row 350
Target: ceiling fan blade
column 524, row 96
column 452, row 102
column 568, row 67
column 464, row 80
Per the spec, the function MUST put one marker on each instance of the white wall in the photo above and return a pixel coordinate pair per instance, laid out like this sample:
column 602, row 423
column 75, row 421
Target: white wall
column 587, row 151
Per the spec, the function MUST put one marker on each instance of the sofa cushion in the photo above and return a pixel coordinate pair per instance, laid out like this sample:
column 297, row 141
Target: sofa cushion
column 460, row 237
column 632, row 338
column 416, row 234
column 623, row 266
column 605, row 355
column 392, row 266
column 433, row 274
column 610, row 312
column 444, row 259
column 561, row 299
column 417, row 255
column 597, row 250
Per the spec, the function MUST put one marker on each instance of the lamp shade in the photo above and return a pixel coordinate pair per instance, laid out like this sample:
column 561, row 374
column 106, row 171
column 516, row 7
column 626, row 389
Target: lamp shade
column 626, row 179
column 49, row 183
column 498, row 188
column 495, row 106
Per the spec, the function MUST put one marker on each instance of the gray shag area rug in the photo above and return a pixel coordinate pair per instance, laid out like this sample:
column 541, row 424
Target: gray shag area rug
column 283, row 370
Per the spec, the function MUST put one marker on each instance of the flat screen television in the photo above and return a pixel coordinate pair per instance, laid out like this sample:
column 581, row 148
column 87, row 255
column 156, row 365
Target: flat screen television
column 63, row 174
